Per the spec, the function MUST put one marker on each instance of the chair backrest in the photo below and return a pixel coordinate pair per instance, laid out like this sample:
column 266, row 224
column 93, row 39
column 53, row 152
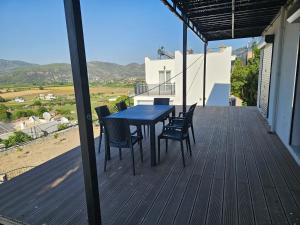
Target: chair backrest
column 187, row 121
column 192, row 108
column 121, row 106
column 117, row 132
column 161, row 101
column 102, row 112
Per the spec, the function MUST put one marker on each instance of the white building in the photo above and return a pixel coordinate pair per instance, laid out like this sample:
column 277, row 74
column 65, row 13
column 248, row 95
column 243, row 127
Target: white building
column 47, row 97
column 169, row 71
column 279, row 79
column 19, row 99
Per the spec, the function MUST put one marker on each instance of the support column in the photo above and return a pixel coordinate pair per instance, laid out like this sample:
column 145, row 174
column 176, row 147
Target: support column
column 83, row 104
column 184, row 51
column 204, row 72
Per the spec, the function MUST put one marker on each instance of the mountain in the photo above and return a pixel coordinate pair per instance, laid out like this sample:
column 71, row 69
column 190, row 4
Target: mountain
column 17, row 72
column 6, row 65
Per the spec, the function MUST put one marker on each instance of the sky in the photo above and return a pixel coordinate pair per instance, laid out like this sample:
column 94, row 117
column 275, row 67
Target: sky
column 120, row 31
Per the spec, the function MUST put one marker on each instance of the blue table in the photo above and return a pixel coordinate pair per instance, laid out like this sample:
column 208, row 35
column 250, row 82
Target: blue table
column 146, row 115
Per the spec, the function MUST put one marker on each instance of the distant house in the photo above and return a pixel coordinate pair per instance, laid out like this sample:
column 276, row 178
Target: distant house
column 47, row 97
column 19, row 99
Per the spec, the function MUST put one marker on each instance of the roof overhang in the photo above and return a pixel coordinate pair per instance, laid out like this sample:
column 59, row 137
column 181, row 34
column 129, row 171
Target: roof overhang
column 214, row 20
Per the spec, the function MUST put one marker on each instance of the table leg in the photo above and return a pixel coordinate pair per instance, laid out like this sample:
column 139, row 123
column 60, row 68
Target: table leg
column 152, row 145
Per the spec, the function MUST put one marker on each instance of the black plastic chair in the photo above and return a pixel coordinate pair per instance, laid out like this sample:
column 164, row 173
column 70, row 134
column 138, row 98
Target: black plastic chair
column 102, row 112
column 117, row 134
column 161, row 101
column 121, row 106
column 177, row 133
column 178, row 121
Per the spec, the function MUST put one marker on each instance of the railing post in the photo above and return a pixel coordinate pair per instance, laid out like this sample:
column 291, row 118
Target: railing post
column 83, row 105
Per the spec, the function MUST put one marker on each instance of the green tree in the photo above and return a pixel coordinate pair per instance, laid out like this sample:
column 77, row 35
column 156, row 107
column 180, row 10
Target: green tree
column 5, row 115
column 17, row 138
column 244, row 78
column 125, row 98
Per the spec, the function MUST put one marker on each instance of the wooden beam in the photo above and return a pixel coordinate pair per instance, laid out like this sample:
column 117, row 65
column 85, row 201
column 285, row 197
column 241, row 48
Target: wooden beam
column 83, row 104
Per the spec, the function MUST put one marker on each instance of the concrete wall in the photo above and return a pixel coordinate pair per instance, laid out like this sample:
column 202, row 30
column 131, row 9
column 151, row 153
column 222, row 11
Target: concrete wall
column 217, row 77
column 283, row 77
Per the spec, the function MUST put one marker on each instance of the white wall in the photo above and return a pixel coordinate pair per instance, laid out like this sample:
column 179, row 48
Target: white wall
column 283, row 77
column 217, row 76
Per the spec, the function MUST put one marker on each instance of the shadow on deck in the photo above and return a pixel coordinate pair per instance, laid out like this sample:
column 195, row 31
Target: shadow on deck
column 238, row 174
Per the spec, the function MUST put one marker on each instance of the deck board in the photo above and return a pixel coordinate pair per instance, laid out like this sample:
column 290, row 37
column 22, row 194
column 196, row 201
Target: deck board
column 238, row 174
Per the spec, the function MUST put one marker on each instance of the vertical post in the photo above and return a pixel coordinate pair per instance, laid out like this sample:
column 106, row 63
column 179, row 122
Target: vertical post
column 184, row 51
column 81, row 86
column 204, row 73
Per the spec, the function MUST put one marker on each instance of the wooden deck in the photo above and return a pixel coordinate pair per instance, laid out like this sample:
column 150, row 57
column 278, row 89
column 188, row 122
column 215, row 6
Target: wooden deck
column 238, row 174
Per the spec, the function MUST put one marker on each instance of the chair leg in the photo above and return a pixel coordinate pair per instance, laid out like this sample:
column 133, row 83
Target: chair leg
column 141, row 151
column 182, row 153
column 120, row 153
column 158, row 151
column 133, row 164
column 105, row 157
column 192, row 127
column 189, row 143
column 166, row 145
column 100, row 139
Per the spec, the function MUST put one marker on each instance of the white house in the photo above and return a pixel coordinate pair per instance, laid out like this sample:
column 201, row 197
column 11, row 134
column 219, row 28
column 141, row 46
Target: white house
column 47, row 97
column 279, row 79
column 19, row 99
column 168, row 73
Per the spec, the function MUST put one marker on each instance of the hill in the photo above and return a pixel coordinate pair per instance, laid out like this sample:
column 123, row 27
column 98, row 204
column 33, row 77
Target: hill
column 17, row 72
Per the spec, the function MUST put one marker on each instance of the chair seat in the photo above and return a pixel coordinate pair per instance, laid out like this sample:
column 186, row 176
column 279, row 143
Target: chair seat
column 178, row 123
column 172, row 134
column 124, row 144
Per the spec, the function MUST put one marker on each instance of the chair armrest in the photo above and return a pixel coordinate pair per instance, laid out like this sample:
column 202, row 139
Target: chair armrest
column 181, row 114
column 176, row 118
column 172, row 127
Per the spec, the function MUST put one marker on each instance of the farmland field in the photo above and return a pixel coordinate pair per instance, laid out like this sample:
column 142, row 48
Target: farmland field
column 32, row 92
column 64, row 103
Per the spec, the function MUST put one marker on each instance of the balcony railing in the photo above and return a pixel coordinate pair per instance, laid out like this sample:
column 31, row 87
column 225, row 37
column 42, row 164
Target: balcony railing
column 154, row 89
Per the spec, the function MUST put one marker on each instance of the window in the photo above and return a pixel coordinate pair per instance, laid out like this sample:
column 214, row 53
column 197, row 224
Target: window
column 164, row 76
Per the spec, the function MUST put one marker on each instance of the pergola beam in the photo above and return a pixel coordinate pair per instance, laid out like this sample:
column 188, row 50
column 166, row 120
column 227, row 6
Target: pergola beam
column 183, row 17
column 232, row 16
column 204, row 74
column 184, row 52
column 83, row 105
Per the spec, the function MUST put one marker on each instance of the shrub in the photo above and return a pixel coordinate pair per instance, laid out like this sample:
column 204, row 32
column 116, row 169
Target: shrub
column 24, row 113
column 2, row 99
column 41, row 87
column 41, row 110
column 37, row 103
column 62, row 126
column 17, row 138
column 63, row 111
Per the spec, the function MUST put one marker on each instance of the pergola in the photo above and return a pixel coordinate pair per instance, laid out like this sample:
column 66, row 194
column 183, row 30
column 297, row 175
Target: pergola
column 210, row 20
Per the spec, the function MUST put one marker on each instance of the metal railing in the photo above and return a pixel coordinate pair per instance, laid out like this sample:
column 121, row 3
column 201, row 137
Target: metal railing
column 154, row 89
